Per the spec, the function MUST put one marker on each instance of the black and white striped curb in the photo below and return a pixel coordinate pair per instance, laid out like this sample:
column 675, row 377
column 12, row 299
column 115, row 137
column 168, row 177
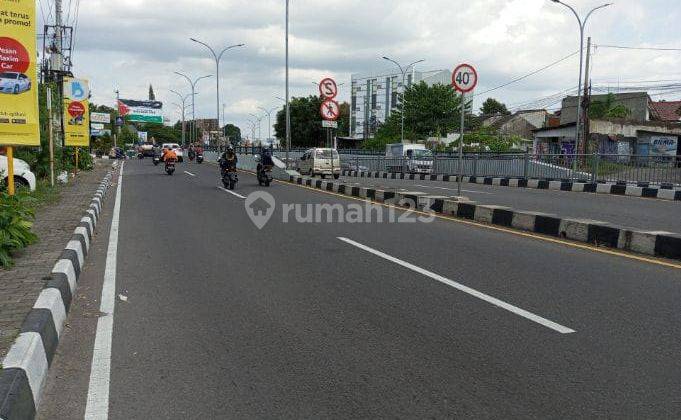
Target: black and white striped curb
column 24, row 369
column 657, row 244
column 642, row 189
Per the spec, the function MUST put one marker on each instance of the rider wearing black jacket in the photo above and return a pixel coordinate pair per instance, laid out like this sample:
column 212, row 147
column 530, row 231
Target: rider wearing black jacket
column 228, row 160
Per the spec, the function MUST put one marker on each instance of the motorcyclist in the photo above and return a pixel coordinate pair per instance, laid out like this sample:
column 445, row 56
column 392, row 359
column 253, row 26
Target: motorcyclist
column 267, row 158
column 192, row 152
column 228, row 159
column 169, row 155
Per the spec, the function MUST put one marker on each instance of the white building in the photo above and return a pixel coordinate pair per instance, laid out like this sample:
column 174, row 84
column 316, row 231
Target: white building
column 374, row 96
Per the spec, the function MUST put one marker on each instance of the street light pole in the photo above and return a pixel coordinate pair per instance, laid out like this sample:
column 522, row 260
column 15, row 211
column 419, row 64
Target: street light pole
column 193, row 86
column 582, row 26
column 217, row 58
column 184, row 106
column 259, row 120
column 404, row 86
column 269, row 121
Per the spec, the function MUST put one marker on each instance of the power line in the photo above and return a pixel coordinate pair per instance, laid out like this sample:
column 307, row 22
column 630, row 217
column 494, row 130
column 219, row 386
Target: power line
column 529, row 74
column 621, row 47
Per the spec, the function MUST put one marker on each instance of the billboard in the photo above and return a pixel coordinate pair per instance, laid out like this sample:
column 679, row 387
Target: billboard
column 663, row 145
column 141, row 111
column 100, row 117
column 76, row 112
column 19, row 116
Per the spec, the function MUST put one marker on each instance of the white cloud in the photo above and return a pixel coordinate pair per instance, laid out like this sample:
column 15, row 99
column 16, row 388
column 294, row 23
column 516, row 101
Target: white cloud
column 129, row 44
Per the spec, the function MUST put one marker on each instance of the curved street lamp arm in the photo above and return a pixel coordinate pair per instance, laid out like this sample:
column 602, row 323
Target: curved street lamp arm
column 593, row 10
column 229, row 48
column 212, row 51
column 395, row 62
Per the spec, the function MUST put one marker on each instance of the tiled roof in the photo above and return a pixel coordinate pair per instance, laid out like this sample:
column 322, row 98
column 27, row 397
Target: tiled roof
column 666, row 111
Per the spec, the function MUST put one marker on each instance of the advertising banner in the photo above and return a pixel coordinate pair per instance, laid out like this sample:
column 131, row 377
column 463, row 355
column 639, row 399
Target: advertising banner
column 663, row 145
column 100, row 117
column 141, row 111
column 76, row 113
column 19, row 116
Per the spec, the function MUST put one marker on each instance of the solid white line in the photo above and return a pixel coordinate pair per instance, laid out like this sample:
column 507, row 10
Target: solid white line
column 189, row 173
column 97, row 406
column 232, row 192
column 489, row 299
column 453, row 189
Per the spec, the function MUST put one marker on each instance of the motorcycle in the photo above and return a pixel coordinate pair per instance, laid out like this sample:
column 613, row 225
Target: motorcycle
column 230, row 178
column 264, row 175
column 199, row 159
column 192, row 155
column 170, row 167
column 157, row 160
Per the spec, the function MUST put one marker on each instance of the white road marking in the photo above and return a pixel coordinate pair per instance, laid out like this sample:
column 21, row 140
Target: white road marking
column 232, row 192
column 489, row 299
column 454, row 189
column 97, row 406
column 189, row 173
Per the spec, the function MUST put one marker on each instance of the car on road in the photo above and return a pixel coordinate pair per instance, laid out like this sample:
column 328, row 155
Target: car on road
column 176, row 148
column 14, row 83
column 320, row 161
column 353, row 166
column 23, row 177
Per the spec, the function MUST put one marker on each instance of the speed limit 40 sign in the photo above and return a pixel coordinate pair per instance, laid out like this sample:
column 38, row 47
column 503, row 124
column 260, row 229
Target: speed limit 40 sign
column 464, row 78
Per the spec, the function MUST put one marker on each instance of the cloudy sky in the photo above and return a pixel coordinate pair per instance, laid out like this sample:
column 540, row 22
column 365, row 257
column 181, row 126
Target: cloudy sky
column 129, row 44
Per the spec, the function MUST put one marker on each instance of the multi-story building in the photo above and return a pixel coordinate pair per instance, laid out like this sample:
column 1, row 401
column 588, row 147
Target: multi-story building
column 206, row 125
column 376, row 95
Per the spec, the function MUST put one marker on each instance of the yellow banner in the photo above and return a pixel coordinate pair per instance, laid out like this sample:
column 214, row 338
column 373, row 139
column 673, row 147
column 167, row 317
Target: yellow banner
column 76, row 112
column 19, row 115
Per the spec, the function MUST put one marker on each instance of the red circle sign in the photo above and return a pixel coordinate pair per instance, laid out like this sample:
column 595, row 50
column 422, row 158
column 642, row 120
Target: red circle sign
column 330, row 110
column 328, row 88
column 464, row 78
column 76, row 109
column 13, row 56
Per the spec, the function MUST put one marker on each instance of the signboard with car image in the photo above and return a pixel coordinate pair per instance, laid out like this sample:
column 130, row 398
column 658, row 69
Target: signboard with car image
column 76, row 112
column 19, row 118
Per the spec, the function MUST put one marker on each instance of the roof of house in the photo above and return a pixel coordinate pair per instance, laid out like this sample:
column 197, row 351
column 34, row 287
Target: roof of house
column 666, row 110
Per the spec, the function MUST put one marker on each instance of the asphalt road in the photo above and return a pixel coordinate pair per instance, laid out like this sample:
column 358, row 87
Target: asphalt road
column 409, row 320
column 639, row 213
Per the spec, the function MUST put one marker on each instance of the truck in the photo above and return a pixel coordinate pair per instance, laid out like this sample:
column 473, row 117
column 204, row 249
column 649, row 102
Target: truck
column 408, row 158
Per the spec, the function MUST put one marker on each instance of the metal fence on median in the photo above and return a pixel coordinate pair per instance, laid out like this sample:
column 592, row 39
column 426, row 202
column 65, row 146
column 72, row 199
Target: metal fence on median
column 589, row 168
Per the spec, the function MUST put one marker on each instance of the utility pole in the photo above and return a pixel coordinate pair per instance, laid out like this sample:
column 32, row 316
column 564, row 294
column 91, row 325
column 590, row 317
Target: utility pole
column 118, row 127
column 50, row 134
column 288, row 105
column 58, row 62
column 587, row 100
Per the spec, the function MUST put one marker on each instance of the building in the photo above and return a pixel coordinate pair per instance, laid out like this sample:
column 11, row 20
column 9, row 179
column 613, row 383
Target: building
column 375, row 96
column 638, row 103
column 206, row 125
column 613, row 136
column 521, row 123
column 668, row 111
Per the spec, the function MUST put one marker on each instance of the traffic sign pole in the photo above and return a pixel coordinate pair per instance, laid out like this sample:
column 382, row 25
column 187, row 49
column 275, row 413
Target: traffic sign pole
column 464, row 79
column 463, row 120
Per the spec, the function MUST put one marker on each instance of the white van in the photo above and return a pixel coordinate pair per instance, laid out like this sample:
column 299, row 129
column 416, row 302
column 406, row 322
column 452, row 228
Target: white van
column 318, row 161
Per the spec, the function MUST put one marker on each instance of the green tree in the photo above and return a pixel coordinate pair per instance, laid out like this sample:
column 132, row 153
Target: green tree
column 431, row 110
column 306, row 126
column 608, row 108
column 232, row 132
column 493, row 107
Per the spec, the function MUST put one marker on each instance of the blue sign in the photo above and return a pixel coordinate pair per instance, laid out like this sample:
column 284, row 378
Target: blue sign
column 119, row 121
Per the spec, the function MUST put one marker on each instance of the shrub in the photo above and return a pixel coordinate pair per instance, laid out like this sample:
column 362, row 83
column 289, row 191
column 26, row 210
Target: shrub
column 16, row 220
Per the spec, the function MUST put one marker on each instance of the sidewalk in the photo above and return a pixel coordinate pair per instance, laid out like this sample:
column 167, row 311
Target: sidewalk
column 54, row 224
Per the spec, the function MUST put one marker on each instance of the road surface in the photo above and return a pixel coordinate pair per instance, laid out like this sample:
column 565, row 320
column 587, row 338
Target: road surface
column 215, row 318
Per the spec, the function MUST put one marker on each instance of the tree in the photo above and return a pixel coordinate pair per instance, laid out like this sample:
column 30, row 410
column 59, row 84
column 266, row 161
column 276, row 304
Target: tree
column 608, row 108
column 431, row 110
column 306, row 126
column 493, row 107
column 152, row 96
column 232, row 132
